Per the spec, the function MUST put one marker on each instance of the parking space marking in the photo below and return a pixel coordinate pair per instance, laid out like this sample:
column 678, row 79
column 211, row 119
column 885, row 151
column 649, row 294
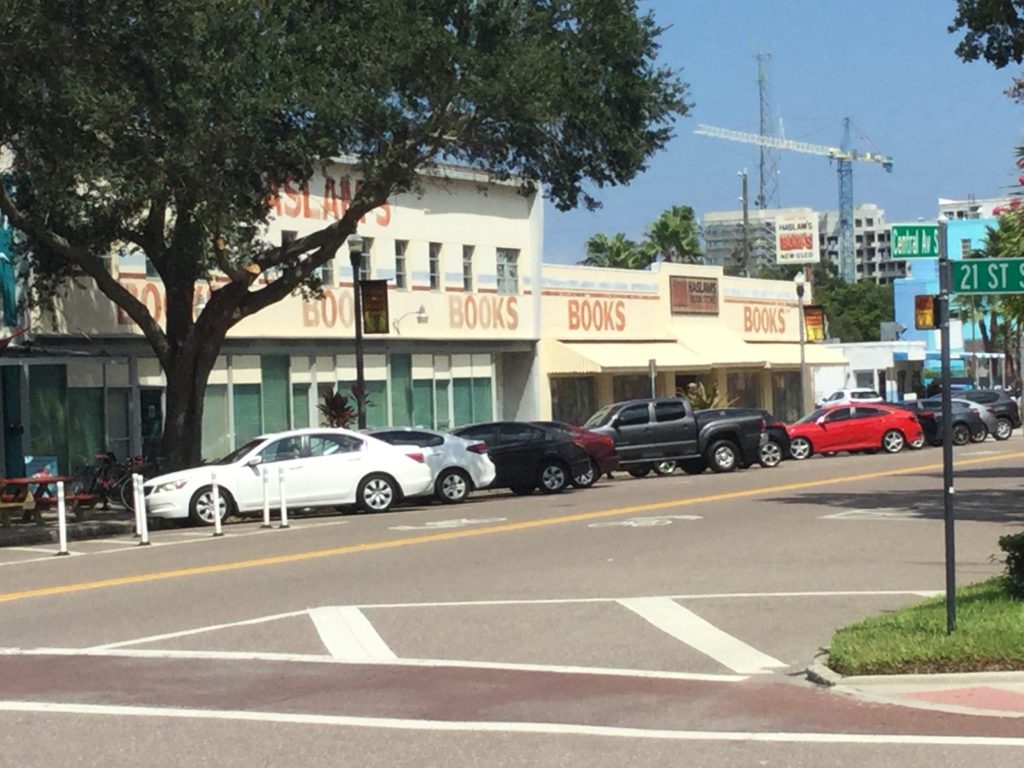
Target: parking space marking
column 644, row 522
column 884, row 513
column 429, row 538
column 689, row 628
column 348, row 634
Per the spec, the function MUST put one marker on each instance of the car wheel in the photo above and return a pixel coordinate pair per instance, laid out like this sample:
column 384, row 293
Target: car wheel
column 552, row 477
column 980, row 435
column 961, row 434
column 1004, row 429
column 722, row 456
column 665, row 468
column 588, row 478
column 200, row 507
column 694, row 466
column 452, row 486
column 640, row 471
column 800, row 448
column 893, row 441
column 771, row 454
column 376, row 493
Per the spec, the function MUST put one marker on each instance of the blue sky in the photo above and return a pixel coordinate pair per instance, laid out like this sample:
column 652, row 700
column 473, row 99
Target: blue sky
column 889, row 65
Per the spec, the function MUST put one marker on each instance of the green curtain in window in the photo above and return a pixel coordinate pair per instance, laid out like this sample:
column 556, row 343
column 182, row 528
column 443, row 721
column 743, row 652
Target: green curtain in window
column 376, row 404
column 48, row 414
column 441, row 398
column 401, row 390
column 482, row 400
column 216, row 429
column 462, row 401
column 85, row 438
column 248, row 413
column 275, row 371
column 423, row 403
column 300, row 406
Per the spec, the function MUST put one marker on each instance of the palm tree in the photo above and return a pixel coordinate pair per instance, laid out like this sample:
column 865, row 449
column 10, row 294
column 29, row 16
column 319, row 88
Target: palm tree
column 673, row 236
column 616, row 251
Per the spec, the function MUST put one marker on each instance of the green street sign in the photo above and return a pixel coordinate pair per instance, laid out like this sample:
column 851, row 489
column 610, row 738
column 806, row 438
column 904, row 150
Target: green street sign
column 988, row 276
column 914, row 241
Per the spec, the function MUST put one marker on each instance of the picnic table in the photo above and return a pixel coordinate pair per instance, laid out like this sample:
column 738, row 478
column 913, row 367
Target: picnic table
column 32, row 495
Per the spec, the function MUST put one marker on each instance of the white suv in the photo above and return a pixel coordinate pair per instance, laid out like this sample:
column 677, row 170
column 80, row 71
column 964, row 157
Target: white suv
column 857, row 395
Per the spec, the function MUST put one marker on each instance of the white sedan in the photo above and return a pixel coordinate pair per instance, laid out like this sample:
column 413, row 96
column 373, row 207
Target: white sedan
column 319, row 467
column 458, row 465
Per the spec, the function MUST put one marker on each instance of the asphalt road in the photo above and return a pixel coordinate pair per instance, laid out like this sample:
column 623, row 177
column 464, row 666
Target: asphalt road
column 662, row 621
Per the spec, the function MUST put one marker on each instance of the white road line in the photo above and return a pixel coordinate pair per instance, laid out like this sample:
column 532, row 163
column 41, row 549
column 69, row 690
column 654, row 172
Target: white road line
column 687, row 627
column 196, row 631
column 560, row 729
column 348, row 634
column 140, row 653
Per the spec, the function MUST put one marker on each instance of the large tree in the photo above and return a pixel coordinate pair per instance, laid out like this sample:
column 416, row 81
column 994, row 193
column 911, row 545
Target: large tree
column 992, row 30
column 167, row 127
column 674, row 236
column 617, row 251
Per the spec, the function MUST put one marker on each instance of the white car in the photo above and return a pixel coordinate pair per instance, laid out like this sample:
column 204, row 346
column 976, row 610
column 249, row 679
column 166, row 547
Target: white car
column 852, row 396
column 458, row 465
column 320, row 467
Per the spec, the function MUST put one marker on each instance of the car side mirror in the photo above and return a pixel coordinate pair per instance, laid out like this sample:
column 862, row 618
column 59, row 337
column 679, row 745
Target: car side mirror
column 820, row 421
column 615, row 422
column 254, row 461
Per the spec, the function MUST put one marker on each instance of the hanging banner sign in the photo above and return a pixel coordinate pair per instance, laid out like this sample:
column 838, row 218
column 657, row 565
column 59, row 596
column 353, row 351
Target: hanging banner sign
column 375, row 305
column 796, row 241
column 814, row 323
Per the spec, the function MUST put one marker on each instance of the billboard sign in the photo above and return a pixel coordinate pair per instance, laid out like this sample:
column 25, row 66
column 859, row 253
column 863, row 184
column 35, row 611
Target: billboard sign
column 796, row 240
column 694, row 295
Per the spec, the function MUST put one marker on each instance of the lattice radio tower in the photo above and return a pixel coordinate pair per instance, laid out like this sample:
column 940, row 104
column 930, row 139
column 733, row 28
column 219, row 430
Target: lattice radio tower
column 768, row 168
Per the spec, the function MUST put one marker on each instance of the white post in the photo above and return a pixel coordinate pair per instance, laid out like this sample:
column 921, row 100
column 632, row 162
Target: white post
column 217, row 530
column 265, row 477
column 284, row 500
column 140, row 510
column 135, row 499
column 62, row 519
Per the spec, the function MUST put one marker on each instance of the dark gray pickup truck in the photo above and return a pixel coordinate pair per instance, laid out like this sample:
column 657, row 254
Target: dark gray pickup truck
column 654, row 430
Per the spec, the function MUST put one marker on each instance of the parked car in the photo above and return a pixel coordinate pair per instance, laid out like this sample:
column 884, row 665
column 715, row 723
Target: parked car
column 966, row 422
column 653, row 430
column 776, row 448
column 988, row 418
column 1002, row 405
column 528, row 456
column 853, row 428
column 321, row 467
column 601, row 448
column 847, row 396
column 459, row 466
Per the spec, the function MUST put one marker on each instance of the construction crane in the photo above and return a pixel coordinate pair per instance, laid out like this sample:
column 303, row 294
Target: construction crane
column 844, row 157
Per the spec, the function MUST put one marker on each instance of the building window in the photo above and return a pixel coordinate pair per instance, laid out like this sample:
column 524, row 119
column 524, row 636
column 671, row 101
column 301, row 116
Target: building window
column 401, row 281
column 965, row 248
column 870, row 222
column 508, row 270
column 467, row 268
column 857, row 222
column 365, row 272
column 435, row 266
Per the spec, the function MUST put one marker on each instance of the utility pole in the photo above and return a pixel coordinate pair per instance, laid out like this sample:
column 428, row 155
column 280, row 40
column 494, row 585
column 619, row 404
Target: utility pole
column 768, row 182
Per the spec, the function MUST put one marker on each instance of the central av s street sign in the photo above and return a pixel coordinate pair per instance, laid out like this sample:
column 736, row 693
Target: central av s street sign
column 914, row 241
column 988, row 276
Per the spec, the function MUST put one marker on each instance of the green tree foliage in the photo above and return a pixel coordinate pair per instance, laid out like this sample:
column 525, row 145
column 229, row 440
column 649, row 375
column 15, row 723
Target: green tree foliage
column 166, row 128
column 616, row 251
column 994, row 31
column 674, row 236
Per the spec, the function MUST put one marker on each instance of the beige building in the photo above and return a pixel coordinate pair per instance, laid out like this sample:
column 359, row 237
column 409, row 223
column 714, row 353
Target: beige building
column 478, row 330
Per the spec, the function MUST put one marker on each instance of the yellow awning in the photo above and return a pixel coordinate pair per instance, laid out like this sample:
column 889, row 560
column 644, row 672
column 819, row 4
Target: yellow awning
column 788, row 355
column 595, row 357
column 721, row 347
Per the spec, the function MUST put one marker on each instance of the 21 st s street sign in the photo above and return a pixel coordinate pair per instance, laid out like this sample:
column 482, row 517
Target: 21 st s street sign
column 988, row 276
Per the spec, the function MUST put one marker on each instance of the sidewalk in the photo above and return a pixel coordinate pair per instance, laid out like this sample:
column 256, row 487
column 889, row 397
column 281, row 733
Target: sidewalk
column 993, row 694
column 98, row 523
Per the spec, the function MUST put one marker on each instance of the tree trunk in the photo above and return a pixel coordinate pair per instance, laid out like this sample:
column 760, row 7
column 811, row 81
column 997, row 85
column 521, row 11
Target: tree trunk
column 187, row 375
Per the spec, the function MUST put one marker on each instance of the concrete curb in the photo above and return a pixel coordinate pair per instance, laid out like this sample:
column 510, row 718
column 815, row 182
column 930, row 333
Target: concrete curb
column 819, row 673
column 29, row 536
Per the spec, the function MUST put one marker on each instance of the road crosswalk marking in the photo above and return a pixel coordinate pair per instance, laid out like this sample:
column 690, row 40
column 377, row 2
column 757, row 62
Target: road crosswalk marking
column 348, row 634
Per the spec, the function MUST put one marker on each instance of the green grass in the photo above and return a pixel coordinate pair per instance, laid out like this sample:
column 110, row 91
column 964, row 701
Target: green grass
column 989, row 636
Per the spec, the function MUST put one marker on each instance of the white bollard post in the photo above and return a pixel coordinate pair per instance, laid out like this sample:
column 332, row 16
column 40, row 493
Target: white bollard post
column 265, row 476
column 135, row 499
column 62, row 519
column 140, row 510
column 284, row 500
column 217, row 530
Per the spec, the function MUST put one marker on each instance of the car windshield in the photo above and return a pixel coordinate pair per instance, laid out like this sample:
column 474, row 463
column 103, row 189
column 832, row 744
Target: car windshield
column 813, row 416
column 600, row 418
column 238, row 453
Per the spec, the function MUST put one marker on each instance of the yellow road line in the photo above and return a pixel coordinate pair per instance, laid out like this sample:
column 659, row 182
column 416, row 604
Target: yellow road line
column 65, row 589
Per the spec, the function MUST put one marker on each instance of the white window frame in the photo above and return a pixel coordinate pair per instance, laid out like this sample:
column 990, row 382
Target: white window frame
column 401, row 273
column 508, row 279
column 434, row 266
column 467, row 267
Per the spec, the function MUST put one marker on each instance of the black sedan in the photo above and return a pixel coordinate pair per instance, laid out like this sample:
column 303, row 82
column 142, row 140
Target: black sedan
column 777, row 447
column 929, row 413
column 529, row 456
column 1002, row 405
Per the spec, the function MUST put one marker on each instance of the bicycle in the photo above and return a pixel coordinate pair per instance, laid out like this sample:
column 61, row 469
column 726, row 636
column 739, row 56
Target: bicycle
column 136, row 465
column 99, row 480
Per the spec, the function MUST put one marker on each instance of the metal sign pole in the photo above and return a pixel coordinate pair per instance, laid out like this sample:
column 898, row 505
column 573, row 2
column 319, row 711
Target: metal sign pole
column 945, row 279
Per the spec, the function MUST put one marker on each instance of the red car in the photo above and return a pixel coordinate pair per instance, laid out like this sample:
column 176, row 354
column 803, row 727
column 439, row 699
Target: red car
column 869, row 428
column 603, row 456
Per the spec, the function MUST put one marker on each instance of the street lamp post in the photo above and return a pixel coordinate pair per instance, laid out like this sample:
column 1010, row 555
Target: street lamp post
column 800, row 279
column 355, row 254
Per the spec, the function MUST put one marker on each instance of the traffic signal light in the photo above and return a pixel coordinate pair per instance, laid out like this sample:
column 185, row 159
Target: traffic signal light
column 926, row 312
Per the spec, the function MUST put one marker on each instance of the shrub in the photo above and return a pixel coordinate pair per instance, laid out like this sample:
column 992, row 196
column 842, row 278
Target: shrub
column 1013, row 546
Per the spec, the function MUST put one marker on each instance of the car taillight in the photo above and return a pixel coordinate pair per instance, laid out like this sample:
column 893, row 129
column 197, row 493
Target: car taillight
column 777, row 425
column 607, row 442
column 477, row 448
column 927, row 415
column 416, row 456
